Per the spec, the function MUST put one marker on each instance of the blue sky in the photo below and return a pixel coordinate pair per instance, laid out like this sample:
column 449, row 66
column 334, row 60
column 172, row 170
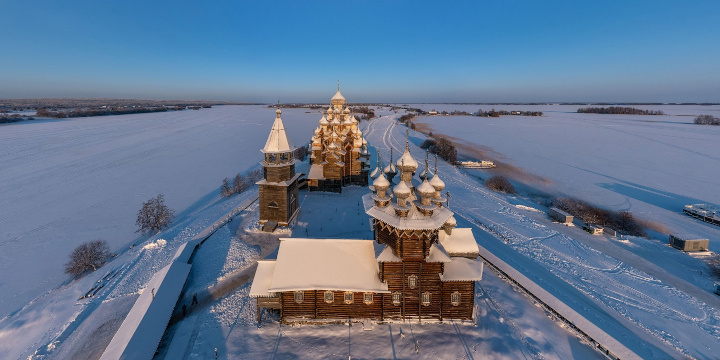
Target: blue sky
column 381, row 51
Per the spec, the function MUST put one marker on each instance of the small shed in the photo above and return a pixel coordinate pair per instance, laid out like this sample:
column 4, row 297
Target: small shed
column 688, row 242
column 717, row 288
column 593, row 229
column 560, row 216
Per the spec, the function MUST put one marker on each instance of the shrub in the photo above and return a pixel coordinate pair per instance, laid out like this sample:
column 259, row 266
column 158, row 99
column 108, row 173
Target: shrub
column 88, row 256
column 707, row 120
column 154, row 215
column 500, row 184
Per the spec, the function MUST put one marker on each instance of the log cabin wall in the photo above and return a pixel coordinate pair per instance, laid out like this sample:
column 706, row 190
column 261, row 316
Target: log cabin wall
column 338, row 309
column 279, row 173
column 270, row 194
column 291, row 309
column 397, row 275
column 467, row 300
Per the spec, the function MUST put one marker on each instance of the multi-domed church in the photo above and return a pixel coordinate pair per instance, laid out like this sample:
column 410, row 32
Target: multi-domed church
column 339, row 155
column 418, row 266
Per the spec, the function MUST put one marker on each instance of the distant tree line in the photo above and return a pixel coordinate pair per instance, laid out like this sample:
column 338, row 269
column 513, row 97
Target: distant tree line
column 624, row 110
column 367, row 113
column 498, row 113
column 622, row 221
column 59, row 114
column 11, row 118
column 707, row 120
column 441, row 146
column 240, row 183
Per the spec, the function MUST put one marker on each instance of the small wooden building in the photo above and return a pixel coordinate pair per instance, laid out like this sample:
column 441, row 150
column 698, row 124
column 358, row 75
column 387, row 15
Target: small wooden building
column 560, row 216
column 688, row 242
column 593, row 229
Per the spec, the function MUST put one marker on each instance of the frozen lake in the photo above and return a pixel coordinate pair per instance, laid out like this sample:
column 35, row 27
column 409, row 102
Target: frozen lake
column 650, row 165
column 65, row 182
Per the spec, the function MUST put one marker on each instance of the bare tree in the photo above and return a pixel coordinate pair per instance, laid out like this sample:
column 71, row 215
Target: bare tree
column 499, row 183
column 238, row 184
column 88, row 256
column 225, row 190
column 154, row 215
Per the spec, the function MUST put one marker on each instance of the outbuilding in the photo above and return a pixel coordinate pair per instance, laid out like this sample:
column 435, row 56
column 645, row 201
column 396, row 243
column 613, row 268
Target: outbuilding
column 560, row 216
column 688, row 242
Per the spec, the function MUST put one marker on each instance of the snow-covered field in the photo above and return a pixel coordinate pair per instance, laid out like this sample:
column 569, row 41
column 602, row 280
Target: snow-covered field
column 65, row 182
column 651, row 298
column 650, row 165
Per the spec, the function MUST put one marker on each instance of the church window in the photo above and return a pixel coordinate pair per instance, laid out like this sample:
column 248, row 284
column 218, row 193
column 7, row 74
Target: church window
column 412, row 281
column 273, row 205
column 396, row 298
column 329, row 297
column 368, row 298
column 455, row 298
column 299, row 297
column 348, row 297
column 425, row 298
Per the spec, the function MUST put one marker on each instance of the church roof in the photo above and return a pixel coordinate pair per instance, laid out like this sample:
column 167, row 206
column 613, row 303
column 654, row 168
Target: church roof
column 338, row 96
column 278, row 141
column 326, row 264
column 460, row 243
column 462, row 269
column 415, row 220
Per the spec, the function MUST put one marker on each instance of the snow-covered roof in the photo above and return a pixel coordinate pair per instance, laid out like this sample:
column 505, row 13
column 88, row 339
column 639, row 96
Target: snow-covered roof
column 338, row 96
column 462, row 269
column 413, row 221
column 326, row 264
column 460, row 243
column 437, row 183
column 263, row 277
column 437, row 254
column 316, row 172
column 387, row 255
column 406, row 160
column 278, row 141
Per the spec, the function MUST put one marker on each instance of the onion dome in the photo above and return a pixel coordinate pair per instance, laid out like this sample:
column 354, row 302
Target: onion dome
column 278, row 111
column 323, row 121
column 346, row 111
column 425, row 174
column 390, row 169
column 358, row 132
column 354, row 119
column 338, row 99
column 317, row 131
column 406, row 162
column 332, row 146
column 425, row 189
column 357, row 143
column 335, row 121
column 381, row 183
column 364, row 142
column 375, row 173
column 401, row 190
column 330, row 111
column 437, row 183
column 347, row 121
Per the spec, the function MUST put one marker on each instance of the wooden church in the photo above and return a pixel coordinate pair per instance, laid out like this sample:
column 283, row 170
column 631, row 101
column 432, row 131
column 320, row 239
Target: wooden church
column 278, row 190
column 339, row 155
column 417, row 267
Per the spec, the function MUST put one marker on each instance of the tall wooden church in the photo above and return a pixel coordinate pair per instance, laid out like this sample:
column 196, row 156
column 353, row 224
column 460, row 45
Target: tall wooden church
column 339, row 155
column 278, row 189
column 417, row 267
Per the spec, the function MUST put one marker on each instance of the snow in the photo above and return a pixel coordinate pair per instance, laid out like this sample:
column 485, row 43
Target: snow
column 462, row 269
column 460, row 242
column 154, row 245
column 326, row 264
column 414, row 220
column 65, row 182
column 144, row 325
column 278, row 141
column 316, row 172
column 387, row 255
column 263, row 278
column 437, row 254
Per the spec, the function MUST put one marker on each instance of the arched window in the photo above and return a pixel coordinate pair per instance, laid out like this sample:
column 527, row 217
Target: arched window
column 396, row 298
column 368, row 298
column 329, row 297
column 412, row 281
column 425, row 298
column 299, row 297
column 455, row 298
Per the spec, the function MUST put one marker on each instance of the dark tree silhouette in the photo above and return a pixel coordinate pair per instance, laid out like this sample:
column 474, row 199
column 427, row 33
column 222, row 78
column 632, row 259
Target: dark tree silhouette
column 88, row 256
column 154, row 215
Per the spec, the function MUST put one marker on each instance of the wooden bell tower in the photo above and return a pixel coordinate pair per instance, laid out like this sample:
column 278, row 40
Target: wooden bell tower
column 279, row 187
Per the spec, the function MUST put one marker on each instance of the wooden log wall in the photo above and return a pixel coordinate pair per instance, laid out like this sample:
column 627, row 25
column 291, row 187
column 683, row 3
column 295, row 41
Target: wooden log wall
column 338, row 309
column 306, row 309
column 467, row 300
column 278, row 194
column 279, row 173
